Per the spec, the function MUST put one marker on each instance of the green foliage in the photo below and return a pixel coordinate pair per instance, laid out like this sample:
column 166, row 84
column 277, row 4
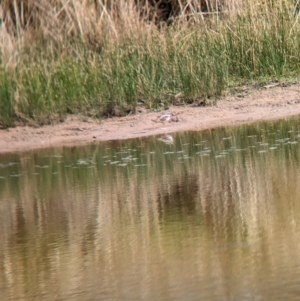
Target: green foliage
column 7, row 115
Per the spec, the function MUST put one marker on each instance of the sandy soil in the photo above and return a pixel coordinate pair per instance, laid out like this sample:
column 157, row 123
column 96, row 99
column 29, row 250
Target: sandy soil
column 272, row 102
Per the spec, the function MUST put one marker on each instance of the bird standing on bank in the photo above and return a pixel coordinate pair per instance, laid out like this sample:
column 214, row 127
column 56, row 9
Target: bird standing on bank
column 164, row 118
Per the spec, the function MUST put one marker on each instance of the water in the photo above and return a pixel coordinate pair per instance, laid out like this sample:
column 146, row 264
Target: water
column 194, row 216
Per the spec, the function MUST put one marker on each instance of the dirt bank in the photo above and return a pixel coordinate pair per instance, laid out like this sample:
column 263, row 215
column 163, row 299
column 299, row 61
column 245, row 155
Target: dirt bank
column 272, row 102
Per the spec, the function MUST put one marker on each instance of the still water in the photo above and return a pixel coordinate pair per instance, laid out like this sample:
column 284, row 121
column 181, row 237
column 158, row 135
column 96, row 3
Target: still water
column 207, row 216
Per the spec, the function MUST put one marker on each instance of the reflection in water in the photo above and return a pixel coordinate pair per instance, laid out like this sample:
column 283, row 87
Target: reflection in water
column 213, row 216
column 167, row 139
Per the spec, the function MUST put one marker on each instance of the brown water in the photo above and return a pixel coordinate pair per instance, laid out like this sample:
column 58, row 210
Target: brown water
column 213, row 216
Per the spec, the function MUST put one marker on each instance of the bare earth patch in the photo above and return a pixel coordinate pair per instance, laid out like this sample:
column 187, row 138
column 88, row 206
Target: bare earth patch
column 266, row 104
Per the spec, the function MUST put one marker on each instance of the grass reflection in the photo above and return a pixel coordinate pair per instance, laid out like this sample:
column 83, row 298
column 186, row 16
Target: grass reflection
column 209, row 208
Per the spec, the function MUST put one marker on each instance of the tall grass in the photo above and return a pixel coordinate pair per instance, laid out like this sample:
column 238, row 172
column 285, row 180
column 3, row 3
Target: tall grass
column 106, row 60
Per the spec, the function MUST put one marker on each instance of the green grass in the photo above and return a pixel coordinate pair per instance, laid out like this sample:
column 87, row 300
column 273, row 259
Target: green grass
column 198, row 62
column 7, row 115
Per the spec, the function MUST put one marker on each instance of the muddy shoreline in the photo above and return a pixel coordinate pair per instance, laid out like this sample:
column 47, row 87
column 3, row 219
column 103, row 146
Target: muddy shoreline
column 269, row 103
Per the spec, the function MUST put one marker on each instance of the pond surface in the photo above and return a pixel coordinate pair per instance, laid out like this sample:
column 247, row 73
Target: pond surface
column 207, row 216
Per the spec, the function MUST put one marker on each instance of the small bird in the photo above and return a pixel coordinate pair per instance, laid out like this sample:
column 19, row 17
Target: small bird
column 164, row 118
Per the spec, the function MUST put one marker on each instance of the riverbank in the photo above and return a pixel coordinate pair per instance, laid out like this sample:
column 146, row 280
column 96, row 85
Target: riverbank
column 270, row 103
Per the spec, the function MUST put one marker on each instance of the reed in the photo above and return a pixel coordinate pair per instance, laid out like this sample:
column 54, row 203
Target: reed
column 104, row 58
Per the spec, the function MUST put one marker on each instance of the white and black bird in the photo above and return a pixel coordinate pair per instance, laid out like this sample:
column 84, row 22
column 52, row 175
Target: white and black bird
column 164, row 118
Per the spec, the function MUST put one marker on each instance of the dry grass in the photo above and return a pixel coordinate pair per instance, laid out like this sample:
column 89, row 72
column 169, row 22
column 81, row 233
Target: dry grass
column 103, row 19
column 98, row 22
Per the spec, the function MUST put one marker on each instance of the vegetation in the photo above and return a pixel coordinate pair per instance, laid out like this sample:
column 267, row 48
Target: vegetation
column 103, row 58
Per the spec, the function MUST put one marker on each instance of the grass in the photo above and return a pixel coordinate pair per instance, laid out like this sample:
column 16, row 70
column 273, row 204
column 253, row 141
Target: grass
column 110, row 67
